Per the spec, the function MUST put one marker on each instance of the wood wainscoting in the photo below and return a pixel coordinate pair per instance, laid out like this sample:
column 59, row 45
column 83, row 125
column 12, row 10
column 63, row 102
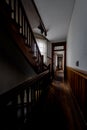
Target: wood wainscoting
column 78, row 83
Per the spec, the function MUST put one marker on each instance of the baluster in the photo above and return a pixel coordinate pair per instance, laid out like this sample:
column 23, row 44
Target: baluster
column 32, row 46
column 33, row 94
column 24, row 28
column 22, row 105
column 38, row 91
column 25, row 31
column 36, row 94
column 21, row 22
column 15, row 10
column 28, row 105
column 29, row 38
column 18, row 14
column 12, row 6
column 14, row 109
column 23, row 25
column 31, row 43
column 28, row 34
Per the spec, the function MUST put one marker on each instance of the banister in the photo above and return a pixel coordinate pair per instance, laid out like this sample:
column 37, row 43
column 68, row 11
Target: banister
column 21, row 85
column 29, row 24
column 18, row 14
column 12, row 110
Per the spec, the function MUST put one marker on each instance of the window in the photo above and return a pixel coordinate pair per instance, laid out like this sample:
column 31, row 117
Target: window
column 58, row 47
column 42, row 44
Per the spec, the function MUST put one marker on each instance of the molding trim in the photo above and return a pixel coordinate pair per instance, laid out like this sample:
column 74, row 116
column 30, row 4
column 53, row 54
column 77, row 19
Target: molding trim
column 81, row 72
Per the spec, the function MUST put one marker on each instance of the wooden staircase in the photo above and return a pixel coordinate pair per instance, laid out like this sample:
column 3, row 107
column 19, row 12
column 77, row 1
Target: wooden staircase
column 16, row 22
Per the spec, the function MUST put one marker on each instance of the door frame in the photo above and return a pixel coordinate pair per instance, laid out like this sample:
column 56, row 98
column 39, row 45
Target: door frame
column 60, row 56
column 56, row 45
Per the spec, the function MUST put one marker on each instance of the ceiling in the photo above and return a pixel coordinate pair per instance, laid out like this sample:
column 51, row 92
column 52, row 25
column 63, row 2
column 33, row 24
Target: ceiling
column 56, row 16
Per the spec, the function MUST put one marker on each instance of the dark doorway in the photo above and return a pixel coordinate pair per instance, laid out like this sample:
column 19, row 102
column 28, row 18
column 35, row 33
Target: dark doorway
column 59, row 59
column 60, row 62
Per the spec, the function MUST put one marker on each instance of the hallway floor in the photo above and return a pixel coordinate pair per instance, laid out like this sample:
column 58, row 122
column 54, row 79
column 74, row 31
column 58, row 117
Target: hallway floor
column 58, row 109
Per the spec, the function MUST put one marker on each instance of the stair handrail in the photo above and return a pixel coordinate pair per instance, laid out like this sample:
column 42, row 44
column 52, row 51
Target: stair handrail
column 18, row 14
column 25, row 95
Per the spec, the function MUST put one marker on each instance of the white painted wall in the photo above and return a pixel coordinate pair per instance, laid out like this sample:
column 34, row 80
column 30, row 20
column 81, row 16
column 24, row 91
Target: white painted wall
column 77, row 36
column 42, row 44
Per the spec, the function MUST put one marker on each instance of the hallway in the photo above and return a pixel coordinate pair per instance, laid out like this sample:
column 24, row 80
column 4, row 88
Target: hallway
column 57, row 109
column 21, row 59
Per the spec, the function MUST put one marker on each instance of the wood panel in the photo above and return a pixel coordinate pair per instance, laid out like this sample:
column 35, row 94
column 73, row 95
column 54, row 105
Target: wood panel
column 78, row 83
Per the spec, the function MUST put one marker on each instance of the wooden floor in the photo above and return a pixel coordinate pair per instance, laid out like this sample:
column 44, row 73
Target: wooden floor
column 57, row 108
